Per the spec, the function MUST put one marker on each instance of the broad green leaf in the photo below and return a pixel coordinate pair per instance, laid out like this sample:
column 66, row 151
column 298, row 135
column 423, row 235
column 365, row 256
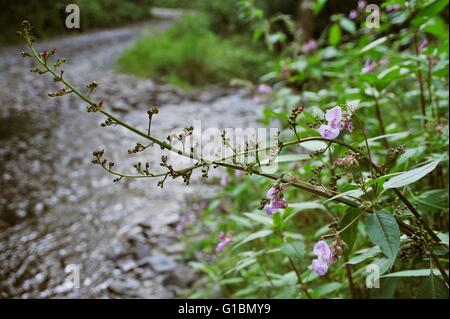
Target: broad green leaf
column 430, row 10
column 386, row 290
column 383, row 231
column 432, row 287
column 411, row 176
column 259, row 234
column 260, row 218
column 412, row 273
column 369, row 253
column 347, row 24
column 373, row 44
column 334, row 36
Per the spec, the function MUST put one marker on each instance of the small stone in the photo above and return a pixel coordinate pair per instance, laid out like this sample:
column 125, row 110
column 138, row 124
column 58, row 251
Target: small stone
column 159, row 262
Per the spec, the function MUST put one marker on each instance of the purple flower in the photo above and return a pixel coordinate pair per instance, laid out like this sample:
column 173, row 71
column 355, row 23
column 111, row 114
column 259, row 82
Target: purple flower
column 224, row 180
column 223, row 241
column 353, row 14
column 275, row 195
column 362, row 5
column 423, row 45
column 324, row 257
column 264, row 89
column 334, row 117
column 328, row 132
column 336, row 123
column 369, row 66
column 310, row 46
column 392, row 8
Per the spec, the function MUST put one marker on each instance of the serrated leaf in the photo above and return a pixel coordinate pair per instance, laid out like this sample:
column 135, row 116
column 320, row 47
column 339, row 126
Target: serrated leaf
column 411, row 176
column 432, row 287
column 383, row 231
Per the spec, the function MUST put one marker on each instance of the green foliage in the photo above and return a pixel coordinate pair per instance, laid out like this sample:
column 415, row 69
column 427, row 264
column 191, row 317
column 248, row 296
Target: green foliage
column 408, row 144
column 189, row 54
column 48, row 16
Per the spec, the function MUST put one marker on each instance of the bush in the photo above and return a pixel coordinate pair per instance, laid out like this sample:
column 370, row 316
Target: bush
column 190, row 54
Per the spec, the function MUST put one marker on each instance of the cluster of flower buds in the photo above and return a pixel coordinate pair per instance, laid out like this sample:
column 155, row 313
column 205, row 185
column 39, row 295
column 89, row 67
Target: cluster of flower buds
column 142, row 169
column 95, row 107
column 393, row 155
column 60, row 92
column 98, row 157
column 91, row 86
column 346, row 161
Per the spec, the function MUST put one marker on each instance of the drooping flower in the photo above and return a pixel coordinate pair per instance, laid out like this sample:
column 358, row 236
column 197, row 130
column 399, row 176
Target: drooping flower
column 310, row 46
column 369, row 66
column 223, row 241
column 275, row 195
column 337, row 121
column 324, row 257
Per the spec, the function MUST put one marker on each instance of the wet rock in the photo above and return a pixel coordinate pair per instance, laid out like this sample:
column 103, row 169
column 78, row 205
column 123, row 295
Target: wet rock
column 127, row 286
column 182, row 276
column 126, row 265
column 159, row 262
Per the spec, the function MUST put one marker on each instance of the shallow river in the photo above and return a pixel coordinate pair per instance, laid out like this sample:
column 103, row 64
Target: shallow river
column 59, row 211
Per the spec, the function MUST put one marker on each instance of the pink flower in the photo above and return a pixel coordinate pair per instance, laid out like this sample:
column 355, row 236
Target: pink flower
column 310, row 46
column 223, row 241
column 353, row 14
column 275, row 195
column 369, row 66
column 184, row 219
column 224, row 181
column 264, row 89
column 238, row 173
column 324, row 257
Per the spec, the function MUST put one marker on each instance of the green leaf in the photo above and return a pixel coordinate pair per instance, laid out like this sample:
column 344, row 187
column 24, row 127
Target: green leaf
column 373, row 44
column 430, row 10
column 259, row 234
column 318, row 5
column 383, row 231
column 433, row 287
column 347, row 24
column 412, row 273
column 260, row 218
column 369, row 253
column 411, row 176
column 334, row 36
column 386, row 290
column 295, row 250
column 349, row 234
